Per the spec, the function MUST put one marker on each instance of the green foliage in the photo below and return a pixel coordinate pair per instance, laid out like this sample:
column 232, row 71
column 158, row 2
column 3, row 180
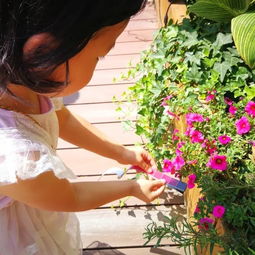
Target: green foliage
column 241, row 15
column 185, row 64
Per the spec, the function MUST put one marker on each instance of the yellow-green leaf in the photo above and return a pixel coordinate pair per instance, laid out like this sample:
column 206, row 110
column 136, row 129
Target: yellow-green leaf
column 243, row 31
column 220, row 10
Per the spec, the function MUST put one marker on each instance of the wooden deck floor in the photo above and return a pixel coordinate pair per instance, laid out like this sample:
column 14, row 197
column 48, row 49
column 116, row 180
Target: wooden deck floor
column 108, row 230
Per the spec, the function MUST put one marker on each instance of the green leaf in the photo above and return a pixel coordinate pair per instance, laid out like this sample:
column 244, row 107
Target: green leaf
column 222, row 40
column 243, row 30
column 222, row 69
column 220, row 10
column 250, row 91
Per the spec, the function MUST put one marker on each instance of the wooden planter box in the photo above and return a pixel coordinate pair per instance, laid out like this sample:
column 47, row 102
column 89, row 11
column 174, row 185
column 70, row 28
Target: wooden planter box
column 177, row 11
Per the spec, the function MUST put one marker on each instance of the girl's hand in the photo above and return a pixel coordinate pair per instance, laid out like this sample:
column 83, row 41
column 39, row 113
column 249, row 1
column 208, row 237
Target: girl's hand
column 148, row 191
column 137, row 157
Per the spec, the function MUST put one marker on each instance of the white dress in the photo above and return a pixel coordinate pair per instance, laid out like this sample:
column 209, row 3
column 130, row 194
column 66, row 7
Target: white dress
column 25, row 230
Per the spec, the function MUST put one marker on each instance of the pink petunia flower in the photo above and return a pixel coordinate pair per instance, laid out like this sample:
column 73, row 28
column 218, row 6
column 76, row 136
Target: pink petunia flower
column 197, row 210
column 174, row 136
column 191, row 181
column 218, row 162
column 209, row 146
column 196, row 136
column 250, row 108
column 228, row 101
column 218, row 211
column 164, row 101
column 224, row 139
column 192, row 162
column 242, row 126
column 168, row 166
column 180, row 145
column 210, row 95
column 205, row 223
column 178, row 163
column 194, row 117
column 232, row 110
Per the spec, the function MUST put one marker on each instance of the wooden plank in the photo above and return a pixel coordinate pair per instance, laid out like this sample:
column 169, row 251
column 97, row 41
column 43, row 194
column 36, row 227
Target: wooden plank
column 165, row 250
column 136, row 35
column 83, row 162
column 114, row 131
column 103, row 77
column 125, row 227
column 97, row 94
column 147, row 13
column 169, row 197
column 149, row 23
column 104, row 112
column 128, row 48
column 86, row 163
column 118, row 61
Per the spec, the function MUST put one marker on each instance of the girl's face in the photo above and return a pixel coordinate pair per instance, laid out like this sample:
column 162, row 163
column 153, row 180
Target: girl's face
column 82, row 65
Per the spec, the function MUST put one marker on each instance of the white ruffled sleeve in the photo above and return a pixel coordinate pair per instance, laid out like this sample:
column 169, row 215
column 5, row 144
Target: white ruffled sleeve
column 58, row 103
column 24, row 159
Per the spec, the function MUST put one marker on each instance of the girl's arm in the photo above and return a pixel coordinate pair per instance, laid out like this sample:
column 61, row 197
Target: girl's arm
column 80, row 132
column 47, row 192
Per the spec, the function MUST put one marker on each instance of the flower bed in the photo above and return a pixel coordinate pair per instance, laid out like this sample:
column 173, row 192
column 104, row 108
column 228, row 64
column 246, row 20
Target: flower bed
column 193, row 77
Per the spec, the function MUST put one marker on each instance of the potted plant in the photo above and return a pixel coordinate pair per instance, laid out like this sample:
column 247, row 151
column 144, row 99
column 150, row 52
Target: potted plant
column 193, row 73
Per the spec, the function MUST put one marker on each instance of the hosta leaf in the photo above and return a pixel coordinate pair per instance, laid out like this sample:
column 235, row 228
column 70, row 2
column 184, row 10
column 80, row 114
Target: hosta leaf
column 220, row 10
column 243, row 31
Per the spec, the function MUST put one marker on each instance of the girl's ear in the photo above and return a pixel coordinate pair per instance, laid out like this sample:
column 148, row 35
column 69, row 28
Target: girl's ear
column 43, row 41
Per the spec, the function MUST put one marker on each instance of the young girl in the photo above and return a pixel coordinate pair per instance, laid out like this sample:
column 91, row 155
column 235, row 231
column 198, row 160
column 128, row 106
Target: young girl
column 49, row 49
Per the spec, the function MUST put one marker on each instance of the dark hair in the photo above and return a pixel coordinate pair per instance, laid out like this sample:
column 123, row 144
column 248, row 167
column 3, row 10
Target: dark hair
column 72, row 23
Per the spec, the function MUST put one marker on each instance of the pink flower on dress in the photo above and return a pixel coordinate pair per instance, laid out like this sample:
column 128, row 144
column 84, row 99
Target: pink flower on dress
column 194, row 117
column 232, row 110
column 178, row 163
column 218, row 211
column 191, row 181
column 224, row 139
column 250, row 108
column 242, row 126
column 218, row 162
column 175, row 137
column 196, row 136
column 168, row 166
column 205, row 223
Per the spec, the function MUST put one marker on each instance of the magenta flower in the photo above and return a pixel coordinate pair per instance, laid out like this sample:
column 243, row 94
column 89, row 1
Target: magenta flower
column 192, row 162
column 178, row 162
column 228, row 101
column 209, row 146
column 218, row 162
column 191, row 181
column 210, row 95
column 194, row 117
column 218, row 211
column 224, row 139
column 232, row 110
column 171, row 114
column 164, row 102
column 250, row 108
column 242, row 126
column 168, row 166
column 196, row 136
column 205, row 223
column 197, row 210
column 180, row 145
